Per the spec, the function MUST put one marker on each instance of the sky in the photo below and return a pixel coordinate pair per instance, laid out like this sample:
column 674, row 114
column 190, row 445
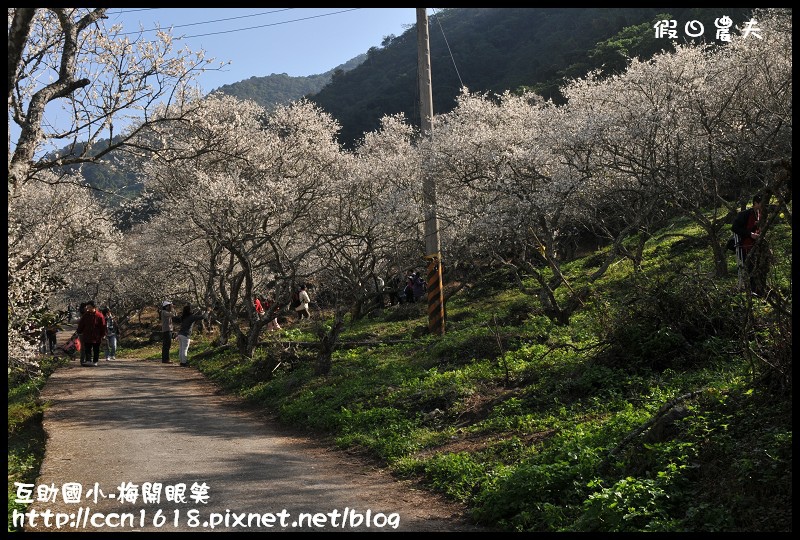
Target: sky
column 262, row 41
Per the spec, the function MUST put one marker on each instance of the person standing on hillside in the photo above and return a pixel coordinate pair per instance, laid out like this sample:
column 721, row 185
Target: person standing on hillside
column 259, row 307
column 418, row 286
column 92, row 329
column 166, row 330
column 747, row 231
column 185, row 332
column 273, row 324
column 302, row 308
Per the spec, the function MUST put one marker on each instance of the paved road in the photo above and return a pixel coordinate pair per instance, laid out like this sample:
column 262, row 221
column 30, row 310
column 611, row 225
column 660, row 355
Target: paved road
column 132, row 422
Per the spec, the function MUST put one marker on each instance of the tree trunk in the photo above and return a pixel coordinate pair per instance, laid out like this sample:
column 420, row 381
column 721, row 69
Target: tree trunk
column 327, row 344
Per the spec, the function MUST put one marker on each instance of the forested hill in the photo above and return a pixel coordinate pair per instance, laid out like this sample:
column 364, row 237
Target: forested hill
column 280, row 88
column 497, row 49
column 270, row 90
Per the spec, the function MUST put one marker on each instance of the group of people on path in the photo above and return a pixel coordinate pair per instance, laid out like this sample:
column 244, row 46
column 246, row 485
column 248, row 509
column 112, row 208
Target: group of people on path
column 94, row 326
column 185, row 322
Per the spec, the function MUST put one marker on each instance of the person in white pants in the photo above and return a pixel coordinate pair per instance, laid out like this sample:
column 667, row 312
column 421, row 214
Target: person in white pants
column 184, row 334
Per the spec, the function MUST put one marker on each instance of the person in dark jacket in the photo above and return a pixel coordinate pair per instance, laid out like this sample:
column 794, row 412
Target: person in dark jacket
column 185, row 332
column 746, row 230
column 52, row 329
column 166, row 315
column 82, row 349
column 92, row 329
column 418, row 286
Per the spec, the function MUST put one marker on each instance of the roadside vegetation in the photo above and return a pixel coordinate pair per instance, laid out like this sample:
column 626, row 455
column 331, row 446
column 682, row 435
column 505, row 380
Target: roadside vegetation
column 664, row 405
column 26, row 438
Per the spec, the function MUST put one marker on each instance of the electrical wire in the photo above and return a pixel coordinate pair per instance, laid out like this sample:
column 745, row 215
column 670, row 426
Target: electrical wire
column 240, row 17
column 448, row 47
column 271, row 24
column 250, row 15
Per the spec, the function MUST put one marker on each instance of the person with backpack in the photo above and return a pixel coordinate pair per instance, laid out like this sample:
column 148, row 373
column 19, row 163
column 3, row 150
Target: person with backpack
column 52, row 328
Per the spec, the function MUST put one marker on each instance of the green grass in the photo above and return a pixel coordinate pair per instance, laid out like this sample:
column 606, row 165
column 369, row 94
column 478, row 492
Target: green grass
column 26, row 438
column 534, row 425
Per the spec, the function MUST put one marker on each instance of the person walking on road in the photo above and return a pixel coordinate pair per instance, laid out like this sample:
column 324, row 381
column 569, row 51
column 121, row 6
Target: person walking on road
column 52, row 328
column 185, row 332
column 82, row 349
column 111, row 334
column 166, row 330
column 92, row 329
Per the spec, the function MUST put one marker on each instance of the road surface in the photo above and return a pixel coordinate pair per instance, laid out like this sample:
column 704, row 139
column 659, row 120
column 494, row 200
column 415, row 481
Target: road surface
column 119, row 430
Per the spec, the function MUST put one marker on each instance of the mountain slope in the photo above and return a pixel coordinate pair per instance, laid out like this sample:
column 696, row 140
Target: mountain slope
column 280, row 88
column 494, row 49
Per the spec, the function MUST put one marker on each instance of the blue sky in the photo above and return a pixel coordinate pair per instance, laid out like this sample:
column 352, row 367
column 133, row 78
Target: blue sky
column 263, row 41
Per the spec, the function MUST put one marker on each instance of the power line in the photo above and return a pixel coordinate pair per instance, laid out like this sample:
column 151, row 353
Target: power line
column 448, row 47
column 271, row 24
column 242, row 17
column 206, row 22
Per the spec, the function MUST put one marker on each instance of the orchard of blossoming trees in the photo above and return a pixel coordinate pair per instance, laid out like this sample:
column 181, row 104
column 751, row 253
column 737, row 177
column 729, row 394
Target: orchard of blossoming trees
column 247, row 200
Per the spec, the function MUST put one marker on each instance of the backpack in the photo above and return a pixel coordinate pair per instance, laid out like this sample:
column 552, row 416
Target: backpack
column 295, row 299
column 731, row 244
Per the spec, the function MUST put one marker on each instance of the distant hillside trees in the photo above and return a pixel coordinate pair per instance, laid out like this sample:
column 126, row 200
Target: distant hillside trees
column 281, row 89
column 671, row 136
column 499, row 49
column 251, row 211
column 66, row 62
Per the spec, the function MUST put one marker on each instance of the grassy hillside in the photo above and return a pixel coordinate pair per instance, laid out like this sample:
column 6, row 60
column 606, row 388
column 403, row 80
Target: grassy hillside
column 653, row 410
column 665, row 404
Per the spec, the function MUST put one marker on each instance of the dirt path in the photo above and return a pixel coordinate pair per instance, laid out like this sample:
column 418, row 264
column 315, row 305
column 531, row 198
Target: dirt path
column 131, row 422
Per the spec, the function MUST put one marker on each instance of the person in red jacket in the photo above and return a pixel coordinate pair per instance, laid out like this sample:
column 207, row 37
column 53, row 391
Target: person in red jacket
column 746, row 230
column 92, row 329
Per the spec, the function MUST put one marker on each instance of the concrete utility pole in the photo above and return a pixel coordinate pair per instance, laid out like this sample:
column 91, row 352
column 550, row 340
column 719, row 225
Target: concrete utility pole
column 432, row 247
